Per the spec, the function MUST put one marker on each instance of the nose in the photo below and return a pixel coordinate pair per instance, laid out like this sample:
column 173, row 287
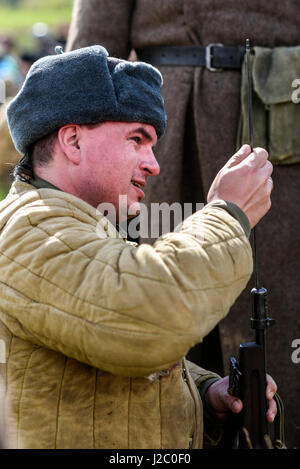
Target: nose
column 149, row 164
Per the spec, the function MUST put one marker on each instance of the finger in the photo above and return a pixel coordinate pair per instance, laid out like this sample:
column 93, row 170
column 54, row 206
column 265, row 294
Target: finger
column 271, row 388
column 269, row 167
column 270, row 184
column 239, row 156
column 272, row 411
column 266, row 173
column 260, row 156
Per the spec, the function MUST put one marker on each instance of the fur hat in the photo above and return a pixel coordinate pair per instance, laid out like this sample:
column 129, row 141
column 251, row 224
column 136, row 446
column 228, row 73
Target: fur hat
column 84, row 86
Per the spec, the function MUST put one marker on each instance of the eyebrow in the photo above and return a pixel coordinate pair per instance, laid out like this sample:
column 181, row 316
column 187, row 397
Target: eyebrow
column 144, row 132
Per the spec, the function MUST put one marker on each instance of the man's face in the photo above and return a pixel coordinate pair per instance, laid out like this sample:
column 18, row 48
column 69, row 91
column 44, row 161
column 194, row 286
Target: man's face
column 117, row 158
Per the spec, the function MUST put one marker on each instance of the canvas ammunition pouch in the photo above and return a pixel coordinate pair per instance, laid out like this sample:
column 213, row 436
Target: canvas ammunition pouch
column 276, row 103
column 276, row 83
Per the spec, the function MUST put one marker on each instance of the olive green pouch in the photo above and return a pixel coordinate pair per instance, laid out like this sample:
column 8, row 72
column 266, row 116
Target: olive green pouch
column 276, row 103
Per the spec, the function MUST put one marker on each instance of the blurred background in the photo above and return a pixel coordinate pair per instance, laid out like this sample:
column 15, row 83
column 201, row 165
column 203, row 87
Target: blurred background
column 29, row 29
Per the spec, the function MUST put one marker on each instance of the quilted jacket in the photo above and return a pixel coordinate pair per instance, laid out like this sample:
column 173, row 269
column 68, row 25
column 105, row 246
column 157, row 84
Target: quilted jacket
column 93, row 329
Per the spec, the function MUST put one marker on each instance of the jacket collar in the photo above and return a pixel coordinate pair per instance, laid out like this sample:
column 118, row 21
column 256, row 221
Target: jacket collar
column 40, row 183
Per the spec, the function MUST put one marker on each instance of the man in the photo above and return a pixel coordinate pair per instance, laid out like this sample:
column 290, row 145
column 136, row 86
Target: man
column 95, row 328
column 203, row 108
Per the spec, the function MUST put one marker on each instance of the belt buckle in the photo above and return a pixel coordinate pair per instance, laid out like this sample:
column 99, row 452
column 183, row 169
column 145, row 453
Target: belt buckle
column 208, row 56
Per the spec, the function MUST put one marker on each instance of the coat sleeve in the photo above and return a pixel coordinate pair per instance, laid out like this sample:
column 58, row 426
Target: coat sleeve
column 102, row 22
column 127, row 310
column 213, row 429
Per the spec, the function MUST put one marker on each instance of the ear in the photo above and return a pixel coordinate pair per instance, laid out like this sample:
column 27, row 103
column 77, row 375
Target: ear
column 69, row 140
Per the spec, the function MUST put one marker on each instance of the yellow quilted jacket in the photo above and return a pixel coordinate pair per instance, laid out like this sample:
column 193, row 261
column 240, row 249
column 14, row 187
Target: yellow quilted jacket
column 93, row 329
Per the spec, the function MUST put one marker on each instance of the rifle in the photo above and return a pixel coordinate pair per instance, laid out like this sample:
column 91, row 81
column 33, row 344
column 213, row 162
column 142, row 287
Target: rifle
column 247, row 378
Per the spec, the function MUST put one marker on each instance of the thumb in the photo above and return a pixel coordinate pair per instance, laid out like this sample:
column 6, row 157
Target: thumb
column 232, row 403
column 239, row 156
column 236, row 405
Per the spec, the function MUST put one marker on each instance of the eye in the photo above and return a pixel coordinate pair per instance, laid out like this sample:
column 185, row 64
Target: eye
column 136, row 139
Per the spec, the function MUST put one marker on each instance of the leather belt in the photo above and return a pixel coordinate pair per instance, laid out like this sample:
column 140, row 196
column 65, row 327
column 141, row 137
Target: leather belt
column 215, row 56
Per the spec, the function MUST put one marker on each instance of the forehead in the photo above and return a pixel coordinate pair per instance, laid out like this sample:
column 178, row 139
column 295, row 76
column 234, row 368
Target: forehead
column 127, row 128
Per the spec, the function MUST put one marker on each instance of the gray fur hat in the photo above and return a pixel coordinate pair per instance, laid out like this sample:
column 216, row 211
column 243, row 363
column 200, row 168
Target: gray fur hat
column 84, row 86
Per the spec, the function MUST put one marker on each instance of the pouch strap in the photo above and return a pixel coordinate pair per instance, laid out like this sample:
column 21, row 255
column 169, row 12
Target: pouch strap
column 279, row 438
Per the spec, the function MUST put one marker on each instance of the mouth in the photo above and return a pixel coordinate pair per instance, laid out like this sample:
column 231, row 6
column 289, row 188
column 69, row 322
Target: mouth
column 139, row 186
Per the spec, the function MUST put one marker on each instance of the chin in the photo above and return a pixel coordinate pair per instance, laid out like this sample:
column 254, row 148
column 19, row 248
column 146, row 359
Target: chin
column 133, row 209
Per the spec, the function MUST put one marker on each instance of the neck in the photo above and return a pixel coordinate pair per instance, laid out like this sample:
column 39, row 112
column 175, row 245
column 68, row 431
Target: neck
column 52, row 176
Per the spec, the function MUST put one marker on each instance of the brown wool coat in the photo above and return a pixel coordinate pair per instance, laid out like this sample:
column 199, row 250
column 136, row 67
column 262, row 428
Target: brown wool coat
column 203, row 114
